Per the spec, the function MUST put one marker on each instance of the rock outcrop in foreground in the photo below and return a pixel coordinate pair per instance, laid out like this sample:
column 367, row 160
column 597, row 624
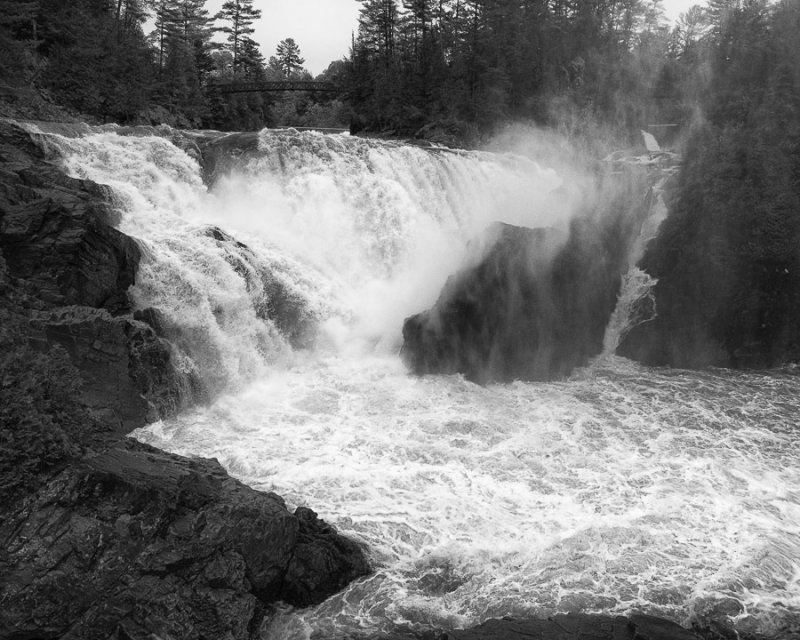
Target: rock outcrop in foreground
column 576, row 627
column 140, row 543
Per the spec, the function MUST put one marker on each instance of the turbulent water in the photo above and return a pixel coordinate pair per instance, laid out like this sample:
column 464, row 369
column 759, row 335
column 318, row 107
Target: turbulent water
column 623, row 488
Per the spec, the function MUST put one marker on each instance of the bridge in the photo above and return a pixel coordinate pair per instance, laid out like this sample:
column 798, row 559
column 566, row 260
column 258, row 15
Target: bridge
column 273, row 85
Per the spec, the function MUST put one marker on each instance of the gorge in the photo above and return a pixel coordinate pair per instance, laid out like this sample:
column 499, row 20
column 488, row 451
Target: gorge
column 274, row 272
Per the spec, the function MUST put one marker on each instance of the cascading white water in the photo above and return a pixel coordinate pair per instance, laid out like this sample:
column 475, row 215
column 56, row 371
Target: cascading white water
column 622, row 488
column 362, row 233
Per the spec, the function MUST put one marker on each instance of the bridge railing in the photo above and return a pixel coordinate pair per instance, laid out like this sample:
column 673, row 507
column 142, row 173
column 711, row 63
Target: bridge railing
column 272, row 85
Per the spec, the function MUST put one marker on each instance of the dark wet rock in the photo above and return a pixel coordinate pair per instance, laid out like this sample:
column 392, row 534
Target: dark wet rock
column 137, row 543
column 323, row 561
column 65, row 278
column 102, row 537
column 534, row 307
column 220, row 154
column 273, row 300
column 576, row 627
column 128, row 378
column 56, row 232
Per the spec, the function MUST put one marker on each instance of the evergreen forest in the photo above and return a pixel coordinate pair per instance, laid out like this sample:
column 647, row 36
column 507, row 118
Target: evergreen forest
column 458, row 70
column 722, row 83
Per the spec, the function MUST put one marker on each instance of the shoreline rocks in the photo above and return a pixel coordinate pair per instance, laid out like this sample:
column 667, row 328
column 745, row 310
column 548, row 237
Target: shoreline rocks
column 65, row 275
column 137, row 542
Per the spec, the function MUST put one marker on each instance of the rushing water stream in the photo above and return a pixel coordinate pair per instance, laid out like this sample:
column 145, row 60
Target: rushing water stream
column 670, row 492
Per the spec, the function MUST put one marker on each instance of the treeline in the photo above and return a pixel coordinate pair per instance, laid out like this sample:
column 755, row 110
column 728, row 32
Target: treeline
column 95, row 57
column 474, row 64
column 728, row 257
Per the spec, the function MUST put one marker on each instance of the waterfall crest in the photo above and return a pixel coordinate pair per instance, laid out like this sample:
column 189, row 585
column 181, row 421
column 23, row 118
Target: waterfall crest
column 343, row 236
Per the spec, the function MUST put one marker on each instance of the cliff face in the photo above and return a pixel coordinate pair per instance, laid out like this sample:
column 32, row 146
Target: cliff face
column 65, row 275
column 536, row 304
column 101, row 536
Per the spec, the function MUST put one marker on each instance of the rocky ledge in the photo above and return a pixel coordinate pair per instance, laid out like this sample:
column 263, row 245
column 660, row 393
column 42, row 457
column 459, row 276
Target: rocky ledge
column 64, row 276
column 102, row 536
column 536, row 302
column 576, row 627
column 140, row 543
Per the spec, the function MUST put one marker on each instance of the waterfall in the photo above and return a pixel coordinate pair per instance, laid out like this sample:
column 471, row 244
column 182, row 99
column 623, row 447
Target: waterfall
column 284, row 285
column 343, row 236
column 636, row 303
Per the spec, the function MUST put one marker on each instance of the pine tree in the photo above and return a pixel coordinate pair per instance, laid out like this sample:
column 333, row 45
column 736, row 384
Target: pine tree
column 197, row 31
column 377, row 27
column 289, row 58
column 240, row 14
column 251, row 61
column 167, row 25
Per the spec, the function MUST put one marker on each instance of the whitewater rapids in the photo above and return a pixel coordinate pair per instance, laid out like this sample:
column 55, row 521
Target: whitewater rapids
column 624, row 488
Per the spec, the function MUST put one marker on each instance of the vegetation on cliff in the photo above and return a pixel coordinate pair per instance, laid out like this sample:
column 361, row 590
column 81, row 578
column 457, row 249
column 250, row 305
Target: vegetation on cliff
column 728, row 257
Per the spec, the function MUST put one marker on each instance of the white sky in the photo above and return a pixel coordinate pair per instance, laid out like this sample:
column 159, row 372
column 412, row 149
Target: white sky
column 322, row 28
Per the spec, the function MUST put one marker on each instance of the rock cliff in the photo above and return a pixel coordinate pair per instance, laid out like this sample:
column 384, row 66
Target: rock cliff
column 536, row 303
column 65, row 275
column 129, row 541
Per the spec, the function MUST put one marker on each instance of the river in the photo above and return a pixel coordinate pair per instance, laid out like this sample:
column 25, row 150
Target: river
column 622, row 488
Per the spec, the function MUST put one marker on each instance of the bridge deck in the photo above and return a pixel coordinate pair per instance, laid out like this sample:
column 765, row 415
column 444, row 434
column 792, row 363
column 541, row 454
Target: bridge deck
column 272, row 85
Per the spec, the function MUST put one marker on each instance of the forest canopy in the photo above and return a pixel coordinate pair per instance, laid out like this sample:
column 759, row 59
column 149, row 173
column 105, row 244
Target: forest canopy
column 460, row 69
column 95, row 57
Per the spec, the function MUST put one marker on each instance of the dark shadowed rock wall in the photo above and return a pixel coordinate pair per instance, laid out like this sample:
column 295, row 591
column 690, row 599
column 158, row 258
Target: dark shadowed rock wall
column 133, row 542
column 727, row 260
column 536, row 304
column 66, row 273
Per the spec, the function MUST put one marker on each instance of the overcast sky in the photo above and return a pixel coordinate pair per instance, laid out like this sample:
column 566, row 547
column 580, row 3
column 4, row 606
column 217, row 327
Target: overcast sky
column 322, row 28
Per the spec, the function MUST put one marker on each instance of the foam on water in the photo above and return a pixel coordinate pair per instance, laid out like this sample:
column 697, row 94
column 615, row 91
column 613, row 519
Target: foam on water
column 623, row 488
column 362, row 232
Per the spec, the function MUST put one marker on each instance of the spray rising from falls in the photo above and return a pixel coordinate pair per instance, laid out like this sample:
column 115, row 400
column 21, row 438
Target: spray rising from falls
column 308, row 238
column 623, row 488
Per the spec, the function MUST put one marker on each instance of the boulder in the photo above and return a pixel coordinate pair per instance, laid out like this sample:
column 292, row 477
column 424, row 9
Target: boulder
column 576, row 627
column 128, row 378
column 534, row 307
column 57, row 233
column 64, row 277
column 221, row 153
column 272, row 298
column 132, row 542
